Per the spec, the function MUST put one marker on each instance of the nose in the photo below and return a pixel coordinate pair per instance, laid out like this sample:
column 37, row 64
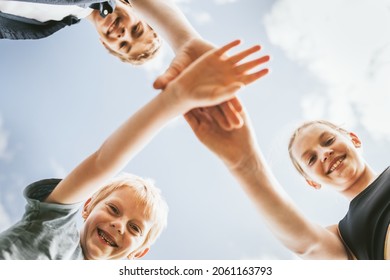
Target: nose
column 119, row 226
column 121, row 32
column 326, row 155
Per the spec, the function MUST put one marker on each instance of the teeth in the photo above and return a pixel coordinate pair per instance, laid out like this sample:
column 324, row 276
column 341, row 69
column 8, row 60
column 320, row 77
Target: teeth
column 336, row 164
column 106, row 239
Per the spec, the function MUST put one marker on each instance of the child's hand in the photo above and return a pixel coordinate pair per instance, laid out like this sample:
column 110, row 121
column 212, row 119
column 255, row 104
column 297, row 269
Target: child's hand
column 226, row 114
column 187, row 54
column 235, row 147
column 215, row 77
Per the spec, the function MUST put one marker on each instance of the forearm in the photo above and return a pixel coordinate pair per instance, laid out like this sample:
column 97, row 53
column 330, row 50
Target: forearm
column 286, row 222
column 168, row 20
column 119, row 148
column 136, row 132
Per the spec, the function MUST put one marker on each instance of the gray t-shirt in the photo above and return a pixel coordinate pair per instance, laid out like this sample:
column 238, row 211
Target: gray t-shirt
column 46, row 231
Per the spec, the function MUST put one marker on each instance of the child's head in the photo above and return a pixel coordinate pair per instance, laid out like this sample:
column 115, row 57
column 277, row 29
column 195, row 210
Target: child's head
column 324, row 153
column 123, row 219
column 125, row 35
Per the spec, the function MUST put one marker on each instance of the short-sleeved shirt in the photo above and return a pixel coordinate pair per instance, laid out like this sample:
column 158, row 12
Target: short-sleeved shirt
column 16, row 27
column 46, row 230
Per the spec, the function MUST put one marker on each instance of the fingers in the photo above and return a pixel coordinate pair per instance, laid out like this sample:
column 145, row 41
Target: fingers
column 236, row 103
column 221, row 51
column 231, row 115
column 226, row 115
column 240, row 56
column 199, row 120
column 250, row 78
column 252, row 64
column 191, row 119
column 245, row 67
column 218, row 116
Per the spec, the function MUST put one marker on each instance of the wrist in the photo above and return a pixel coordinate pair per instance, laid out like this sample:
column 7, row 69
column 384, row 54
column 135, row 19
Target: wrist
column 248, row 164
column 172, row 97
column 196, row 46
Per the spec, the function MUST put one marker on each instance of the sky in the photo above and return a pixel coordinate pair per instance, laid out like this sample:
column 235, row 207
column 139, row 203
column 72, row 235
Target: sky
column 62, row 96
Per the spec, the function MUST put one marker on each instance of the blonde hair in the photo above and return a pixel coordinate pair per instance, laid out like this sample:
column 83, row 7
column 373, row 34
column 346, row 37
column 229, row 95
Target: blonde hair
column 147, row 195
column 299, row 129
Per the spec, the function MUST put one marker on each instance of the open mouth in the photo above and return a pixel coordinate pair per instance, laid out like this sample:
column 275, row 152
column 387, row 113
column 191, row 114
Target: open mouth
column 114, row 25
column 336, row 163
column 106, row 238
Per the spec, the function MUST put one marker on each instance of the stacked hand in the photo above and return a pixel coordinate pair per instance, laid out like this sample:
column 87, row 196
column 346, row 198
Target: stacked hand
column 233, row 74
column 235, row 147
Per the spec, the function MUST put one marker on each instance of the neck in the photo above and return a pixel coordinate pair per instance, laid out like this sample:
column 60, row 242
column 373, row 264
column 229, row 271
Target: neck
column 361, row 183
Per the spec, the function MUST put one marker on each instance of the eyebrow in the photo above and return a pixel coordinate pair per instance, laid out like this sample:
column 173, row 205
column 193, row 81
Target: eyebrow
column 322, row 135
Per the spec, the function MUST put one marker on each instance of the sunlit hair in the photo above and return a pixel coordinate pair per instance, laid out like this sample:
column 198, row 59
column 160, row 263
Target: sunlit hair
column 299, row 129
column 147, row 195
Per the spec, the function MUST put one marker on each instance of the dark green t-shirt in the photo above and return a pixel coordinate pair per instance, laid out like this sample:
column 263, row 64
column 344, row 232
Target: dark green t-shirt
column 46, row 231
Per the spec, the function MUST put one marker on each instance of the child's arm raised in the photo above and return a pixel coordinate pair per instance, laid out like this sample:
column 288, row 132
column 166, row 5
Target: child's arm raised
column 212, row 79
column 168, row 20
column 187, row 44
column 239, row 151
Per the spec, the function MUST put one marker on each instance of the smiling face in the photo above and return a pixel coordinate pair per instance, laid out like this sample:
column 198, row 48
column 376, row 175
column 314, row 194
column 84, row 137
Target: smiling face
column 115, row 228
column 328, row 156
column 124, row 34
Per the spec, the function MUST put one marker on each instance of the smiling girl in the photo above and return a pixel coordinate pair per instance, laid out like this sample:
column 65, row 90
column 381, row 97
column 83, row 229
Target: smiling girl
column 324, row 154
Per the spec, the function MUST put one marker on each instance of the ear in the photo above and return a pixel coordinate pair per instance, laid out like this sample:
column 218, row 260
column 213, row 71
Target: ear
column 313, row 184
column 355, row 140
column 139, row 254
column 85, row 212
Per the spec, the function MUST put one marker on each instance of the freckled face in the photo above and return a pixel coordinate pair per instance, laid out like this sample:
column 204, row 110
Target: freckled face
column 328, row 156
column 115, row 228
column 124, row 32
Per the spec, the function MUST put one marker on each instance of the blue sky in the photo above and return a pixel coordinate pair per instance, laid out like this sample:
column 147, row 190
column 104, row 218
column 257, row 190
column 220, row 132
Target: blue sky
column 62, row 96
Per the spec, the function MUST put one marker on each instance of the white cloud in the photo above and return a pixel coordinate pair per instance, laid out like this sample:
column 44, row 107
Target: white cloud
column 158, row 64
column 181, row 1
column 346, row 45
column 4, row 153
column 223, row 2
column 202, row 17
column 58, row 169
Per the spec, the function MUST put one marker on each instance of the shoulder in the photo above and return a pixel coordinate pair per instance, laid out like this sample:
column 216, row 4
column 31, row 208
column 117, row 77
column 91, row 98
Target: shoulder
column 41, row 189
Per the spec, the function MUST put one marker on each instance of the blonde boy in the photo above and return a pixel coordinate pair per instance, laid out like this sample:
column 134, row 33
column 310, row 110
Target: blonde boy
column 53, row 227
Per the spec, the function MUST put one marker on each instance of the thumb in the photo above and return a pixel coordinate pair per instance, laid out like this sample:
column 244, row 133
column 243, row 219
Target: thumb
column 162, row 80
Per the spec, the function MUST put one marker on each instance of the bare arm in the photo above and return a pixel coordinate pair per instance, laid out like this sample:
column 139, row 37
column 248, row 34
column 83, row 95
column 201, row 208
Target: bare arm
column 187, row 44
column 209, row 81
column 239, row 151
column 168, row 20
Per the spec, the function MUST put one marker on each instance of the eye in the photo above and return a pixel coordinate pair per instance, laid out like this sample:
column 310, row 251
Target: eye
column 137, row 30
column 330, row 141
column 134, row 229
column 312, row 160
column 113, row 209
